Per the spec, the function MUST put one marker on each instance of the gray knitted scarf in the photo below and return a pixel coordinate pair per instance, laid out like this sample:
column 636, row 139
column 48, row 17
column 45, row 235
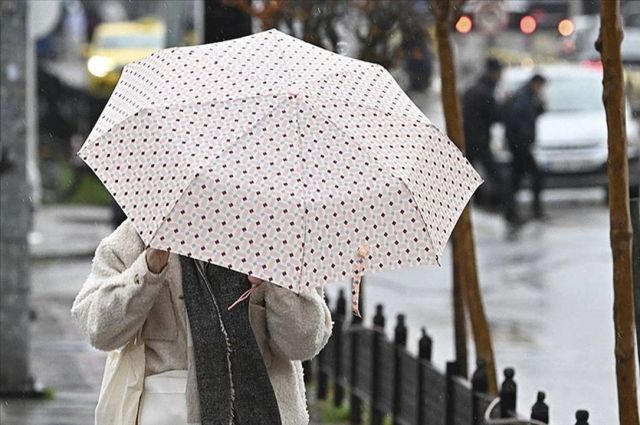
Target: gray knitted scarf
column 233, row 384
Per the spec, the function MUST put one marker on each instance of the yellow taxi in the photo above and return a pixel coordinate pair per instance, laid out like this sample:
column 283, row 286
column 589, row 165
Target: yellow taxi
column 115, row 44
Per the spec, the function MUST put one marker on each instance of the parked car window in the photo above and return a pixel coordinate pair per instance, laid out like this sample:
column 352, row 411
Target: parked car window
column 565, row 93
column 577, row 93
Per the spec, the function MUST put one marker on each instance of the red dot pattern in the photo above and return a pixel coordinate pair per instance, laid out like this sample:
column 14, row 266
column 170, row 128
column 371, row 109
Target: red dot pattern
column 279, row 159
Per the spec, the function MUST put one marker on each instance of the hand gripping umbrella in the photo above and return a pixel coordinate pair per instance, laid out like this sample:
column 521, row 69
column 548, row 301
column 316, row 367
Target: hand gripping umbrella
column 278, row 159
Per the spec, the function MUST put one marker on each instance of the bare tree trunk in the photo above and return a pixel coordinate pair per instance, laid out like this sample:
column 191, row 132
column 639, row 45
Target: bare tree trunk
column 464, row 258
column 620, row 221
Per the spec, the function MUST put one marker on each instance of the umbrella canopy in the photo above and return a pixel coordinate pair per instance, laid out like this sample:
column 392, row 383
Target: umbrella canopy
column 279, row 159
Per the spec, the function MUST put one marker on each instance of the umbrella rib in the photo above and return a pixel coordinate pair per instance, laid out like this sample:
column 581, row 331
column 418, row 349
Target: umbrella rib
column 380, row 111
column 311, row 46
column 201, row 167
column 384, row 166
column 337, row 73
column 157, row 107
column 304, row 200
column 439, row 246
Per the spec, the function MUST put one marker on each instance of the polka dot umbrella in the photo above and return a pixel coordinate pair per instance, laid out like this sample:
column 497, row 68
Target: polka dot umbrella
column 279, row 159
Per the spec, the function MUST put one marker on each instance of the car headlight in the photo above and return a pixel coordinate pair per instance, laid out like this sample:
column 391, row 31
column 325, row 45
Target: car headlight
column 100, row 66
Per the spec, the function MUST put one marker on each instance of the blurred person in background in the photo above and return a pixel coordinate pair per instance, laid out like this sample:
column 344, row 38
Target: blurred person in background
column 521, row 113
column 227, row 19
column 481, row 111
column 418, row 58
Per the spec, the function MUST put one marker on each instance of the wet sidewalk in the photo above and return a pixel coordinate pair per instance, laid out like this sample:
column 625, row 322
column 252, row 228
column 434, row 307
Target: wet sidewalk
column 63, row 231
column 62, row 362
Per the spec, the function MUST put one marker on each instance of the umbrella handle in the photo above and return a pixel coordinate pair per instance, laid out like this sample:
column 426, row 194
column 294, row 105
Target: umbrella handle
column 244, row 296
column 363, row 252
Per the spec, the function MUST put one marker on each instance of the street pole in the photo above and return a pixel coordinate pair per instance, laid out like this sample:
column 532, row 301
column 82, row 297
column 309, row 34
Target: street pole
column 198, row 20
column 635, row 251
column 620, row 232
column 173, row 13
column 15, row 209
column 31, row 99
column 465, row 274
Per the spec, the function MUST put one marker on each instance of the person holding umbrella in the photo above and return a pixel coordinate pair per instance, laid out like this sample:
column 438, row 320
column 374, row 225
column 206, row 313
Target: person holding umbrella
column 248, row 357
column 260, row 159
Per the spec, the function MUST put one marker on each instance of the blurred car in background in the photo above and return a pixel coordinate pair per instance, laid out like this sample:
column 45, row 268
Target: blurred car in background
column 115, row 44
column 631, row 53
column 580, row 46
column 525, row 16
column 631, row 14
column 571, row 145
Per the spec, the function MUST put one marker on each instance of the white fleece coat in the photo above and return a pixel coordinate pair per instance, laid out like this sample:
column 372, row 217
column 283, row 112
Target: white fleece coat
column 121, row 294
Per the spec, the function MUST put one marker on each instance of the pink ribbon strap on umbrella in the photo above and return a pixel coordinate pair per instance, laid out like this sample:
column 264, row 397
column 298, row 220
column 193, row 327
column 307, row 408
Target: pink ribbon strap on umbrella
column 278, row 159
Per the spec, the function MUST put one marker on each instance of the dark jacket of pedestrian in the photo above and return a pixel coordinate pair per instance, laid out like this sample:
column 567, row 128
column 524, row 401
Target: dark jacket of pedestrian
column 521, row 112
column 480, row 111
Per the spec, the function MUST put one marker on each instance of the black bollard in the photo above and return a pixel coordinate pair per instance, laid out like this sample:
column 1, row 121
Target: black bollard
column 355, row 402
column 479, row 385
column 322, row 389
column 339, row 317
column 452, row 370
column 540, row 410
column 425, row 346
column 582, row 417
column 479, row 379
column 508, row 394
column 400, row 341
column 379, row 321
column 341, row 305
column 400, row 332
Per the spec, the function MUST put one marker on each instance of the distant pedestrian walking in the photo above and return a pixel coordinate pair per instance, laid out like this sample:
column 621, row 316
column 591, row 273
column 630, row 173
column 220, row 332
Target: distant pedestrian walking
column 233, row 175
column 521, row 113
column 481, row 111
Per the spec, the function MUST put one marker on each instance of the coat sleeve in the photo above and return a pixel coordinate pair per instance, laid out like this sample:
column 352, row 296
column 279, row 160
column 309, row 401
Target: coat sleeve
column 115, row 300
column 299, row 325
